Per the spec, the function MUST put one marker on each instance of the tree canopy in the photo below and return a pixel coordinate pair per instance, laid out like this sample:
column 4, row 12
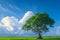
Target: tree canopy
column 39, row 23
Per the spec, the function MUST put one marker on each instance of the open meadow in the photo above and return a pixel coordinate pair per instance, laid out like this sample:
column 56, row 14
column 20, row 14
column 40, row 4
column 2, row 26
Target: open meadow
column 28, row 38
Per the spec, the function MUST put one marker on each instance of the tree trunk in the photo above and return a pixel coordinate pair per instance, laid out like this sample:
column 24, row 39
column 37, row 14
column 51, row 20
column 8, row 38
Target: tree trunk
column 39, row 36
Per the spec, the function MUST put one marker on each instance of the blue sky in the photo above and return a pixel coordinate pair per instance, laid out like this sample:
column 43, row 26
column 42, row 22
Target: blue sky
column 17, row 10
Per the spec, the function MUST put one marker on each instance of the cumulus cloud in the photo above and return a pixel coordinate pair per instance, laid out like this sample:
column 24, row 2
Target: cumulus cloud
column 22, row 21
column 26, row 16
column 9, row 23
column 12, row 24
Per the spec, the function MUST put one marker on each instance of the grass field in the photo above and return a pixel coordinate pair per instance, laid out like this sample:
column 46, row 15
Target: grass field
column 28, row 38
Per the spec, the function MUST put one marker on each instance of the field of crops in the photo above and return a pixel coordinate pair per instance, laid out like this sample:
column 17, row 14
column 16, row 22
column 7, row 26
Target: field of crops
column 28, row 38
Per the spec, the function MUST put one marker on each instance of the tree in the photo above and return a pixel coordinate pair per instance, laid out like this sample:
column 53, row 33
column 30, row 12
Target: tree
column 39, row 23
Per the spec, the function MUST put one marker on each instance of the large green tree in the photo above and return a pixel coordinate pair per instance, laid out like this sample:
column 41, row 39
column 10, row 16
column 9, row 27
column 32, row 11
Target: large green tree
column 39, row 23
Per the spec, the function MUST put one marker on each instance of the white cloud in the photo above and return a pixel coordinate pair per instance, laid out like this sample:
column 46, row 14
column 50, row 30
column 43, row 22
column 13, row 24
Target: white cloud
column 12, row 24
column 27, row 15
column 22, row 21
column 10, row 28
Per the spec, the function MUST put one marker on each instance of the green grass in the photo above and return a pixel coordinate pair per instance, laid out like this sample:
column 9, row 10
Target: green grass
column 28, row 38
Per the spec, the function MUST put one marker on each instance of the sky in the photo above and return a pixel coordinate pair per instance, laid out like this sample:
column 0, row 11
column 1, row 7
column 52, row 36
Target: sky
column 14, row 13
